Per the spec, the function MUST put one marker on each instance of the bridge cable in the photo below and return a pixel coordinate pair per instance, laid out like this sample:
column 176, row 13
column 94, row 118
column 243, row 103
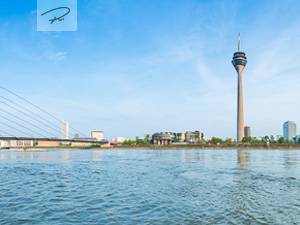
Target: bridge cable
column 7, row 133
column 22, row 126
column 39, row 108
column 16, row 129
column 30, row 112
column 29, row 116
column 26, row 122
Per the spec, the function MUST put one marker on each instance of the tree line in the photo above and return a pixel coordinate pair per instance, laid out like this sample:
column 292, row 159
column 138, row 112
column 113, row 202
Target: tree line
column 254, row 140
column 216, row 140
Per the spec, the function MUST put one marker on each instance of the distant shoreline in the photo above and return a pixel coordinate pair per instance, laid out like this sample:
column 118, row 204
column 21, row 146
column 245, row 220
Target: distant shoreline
column 165, row 147
column 217, row 147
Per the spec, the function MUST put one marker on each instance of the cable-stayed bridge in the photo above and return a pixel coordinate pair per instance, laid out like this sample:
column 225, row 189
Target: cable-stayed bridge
column 22, row 120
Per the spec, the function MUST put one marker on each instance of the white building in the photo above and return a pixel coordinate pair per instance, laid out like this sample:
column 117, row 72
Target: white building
column 4, row 144
column 118, row 140
column 289, row 130
column 99, row 135
column 65, row 130
column 21, row 143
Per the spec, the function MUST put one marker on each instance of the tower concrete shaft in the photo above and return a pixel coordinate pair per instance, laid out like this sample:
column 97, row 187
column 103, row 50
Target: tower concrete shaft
column 239, row 62
column 240, row 105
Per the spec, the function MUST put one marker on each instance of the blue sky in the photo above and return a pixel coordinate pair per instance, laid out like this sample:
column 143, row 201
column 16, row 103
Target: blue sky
column 136, row 67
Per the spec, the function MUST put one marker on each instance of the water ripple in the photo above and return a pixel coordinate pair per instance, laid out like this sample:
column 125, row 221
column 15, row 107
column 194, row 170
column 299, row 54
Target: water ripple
column 150, row 187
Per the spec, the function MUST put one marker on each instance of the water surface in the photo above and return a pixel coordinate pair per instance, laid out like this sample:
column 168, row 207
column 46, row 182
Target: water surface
column 150, row 187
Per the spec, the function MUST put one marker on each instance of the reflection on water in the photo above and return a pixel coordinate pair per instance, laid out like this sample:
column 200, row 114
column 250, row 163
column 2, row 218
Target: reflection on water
column 183, row 158
column 98, row 155
column 290, row 158
column 242, row 158
column 150, row 187
column 65, row 155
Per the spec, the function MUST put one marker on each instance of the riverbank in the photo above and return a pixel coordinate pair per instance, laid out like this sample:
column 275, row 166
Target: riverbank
column 164, row 147
column 256, row 146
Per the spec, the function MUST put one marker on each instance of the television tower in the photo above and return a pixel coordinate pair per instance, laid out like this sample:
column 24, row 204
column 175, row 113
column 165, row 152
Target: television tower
column 239, row 62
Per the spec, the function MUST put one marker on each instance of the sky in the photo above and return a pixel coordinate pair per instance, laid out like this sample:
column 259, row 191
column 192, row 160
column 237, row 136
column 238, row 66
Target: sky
column 138, row 67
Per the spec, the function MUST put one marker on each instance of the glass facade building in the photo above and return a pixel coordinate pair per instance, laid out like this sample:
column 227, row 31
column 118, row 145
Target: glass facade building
column 247, row 131
column 289, row 130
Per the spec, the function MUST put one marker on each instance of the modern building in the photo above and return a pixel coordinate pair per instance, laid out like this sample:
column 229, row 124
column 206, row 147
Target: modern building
column 239, row 62
column 167, row 138
column 247, row 131
column 289, row 130
column 148, row 137
column 99, row 135
column 181, row 137
column 65, row 130
column 76, row 136
column 193, row 136
column 163, row 138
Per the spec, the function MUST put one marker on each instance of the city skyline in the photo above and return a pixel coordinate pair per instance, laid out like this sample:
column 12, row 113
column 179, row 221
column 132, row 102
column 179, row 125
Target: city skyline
column 141, row 74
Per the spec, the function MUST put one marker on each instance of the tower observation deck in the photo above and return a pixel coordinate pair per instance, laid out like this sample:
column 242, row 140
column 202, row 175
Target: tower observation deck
column 239, row 62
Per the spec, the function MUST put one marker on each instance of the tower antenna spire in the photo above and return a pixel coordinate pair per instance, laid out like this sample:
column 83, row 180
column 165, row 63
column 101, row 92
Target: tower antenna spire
column 239, row 62
column 240, row 42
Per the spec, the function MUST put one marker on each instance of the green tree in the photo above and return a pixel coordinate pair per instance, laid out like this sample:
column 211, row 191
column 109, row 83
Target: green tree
column 281, row 140
column 246, row 139
column 228, row 141
column 266, row 138
column 255, row 140
column 144, row 141
column 287, row 141
column 272, row 140
column 215, row 140
column 128, row 142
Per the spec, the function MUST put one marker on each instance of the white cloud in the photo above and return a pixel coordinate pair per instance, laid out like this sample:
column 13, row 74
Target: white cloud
column 59, row 56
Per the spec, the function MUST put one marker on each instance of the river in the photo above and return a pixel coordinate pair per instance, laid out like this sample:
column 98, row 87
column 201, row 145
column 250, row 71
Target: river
column 150, row 187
